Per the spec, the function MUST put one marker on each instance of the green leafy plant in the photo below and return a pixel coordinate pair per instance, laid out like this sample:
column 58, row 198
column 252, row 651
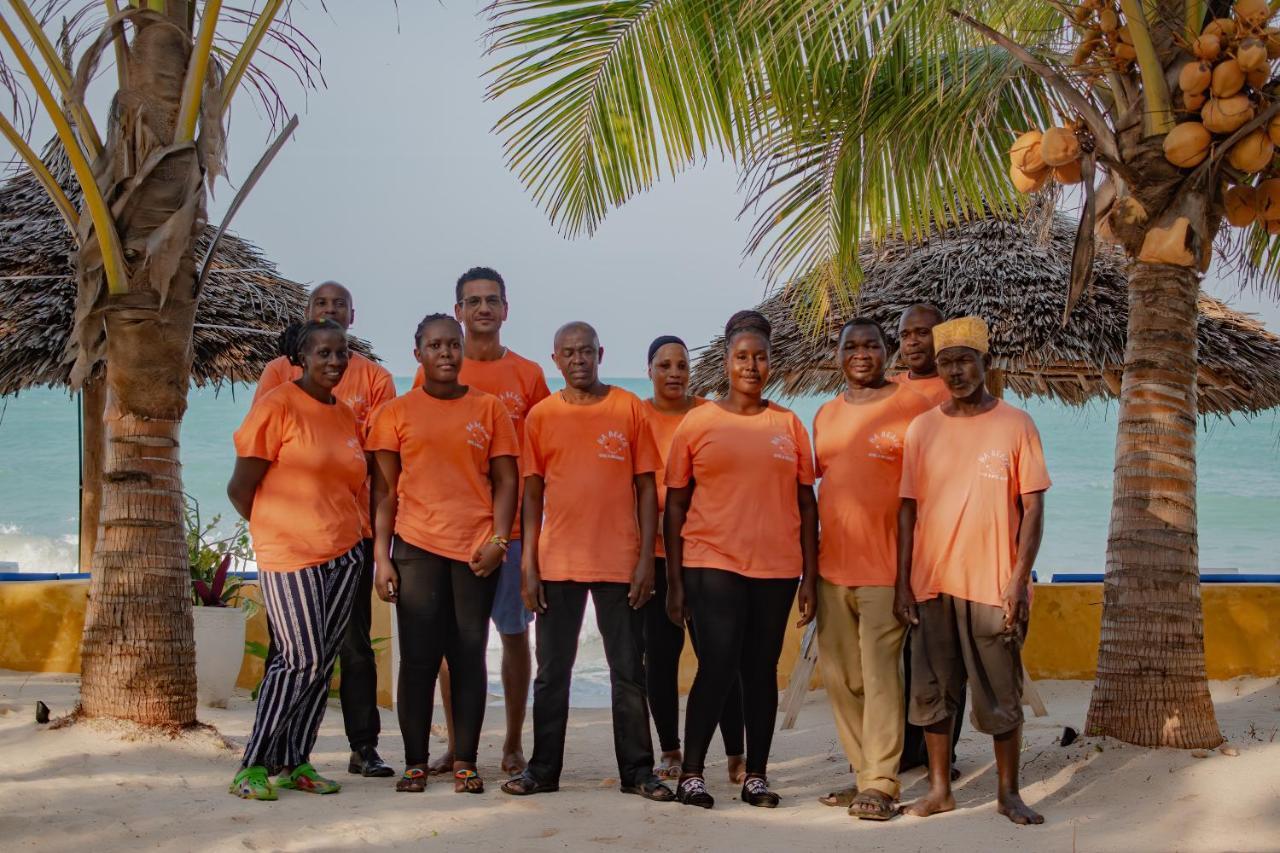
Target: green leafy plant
column 212, row 559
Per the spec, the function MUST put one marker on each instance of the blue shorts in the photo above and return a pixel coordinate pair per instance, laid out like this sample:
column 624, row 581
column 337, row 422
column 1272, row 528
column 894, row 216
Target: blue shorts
column 509, row 613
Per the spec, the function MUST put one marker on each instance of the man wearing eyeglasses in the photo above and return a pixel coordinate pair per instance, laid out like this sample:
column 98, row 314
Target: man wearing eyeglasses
column 481, row 307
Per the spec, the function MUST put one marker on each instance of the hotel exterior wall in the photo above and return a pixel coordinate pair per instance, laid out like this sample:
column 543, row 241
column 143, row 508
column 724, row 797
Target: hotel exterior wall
column 41, row 623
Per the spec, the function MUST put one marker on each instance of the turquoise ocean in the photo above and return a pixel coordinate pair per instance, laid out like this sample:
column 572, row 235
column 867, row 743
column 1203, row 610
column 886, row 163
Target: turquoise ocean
column 1239, row 478
column 1239, row 491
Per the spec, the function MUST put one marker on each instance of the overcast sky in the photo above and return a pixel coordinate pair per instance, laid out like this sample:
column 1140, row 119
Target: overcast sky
column 394, row 185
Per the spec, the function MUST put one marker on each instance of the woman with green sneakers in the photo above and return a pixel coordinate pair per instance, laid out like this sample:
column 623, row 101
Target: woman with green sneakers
column 300, row 470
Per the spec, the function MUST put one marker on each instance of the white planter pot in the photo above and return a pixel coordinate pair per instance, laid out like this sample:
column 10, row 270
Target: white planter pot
column 219, row 652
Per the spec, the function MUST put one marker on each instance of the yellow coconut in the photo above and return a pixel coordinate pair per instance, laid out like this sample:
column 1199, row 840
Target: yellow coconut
column 1084, row 51
column 1207, row 47
column 1059, row 146
column 1129, row 211
column 1195, row 77
column 1025, row 153
column 1273, row 130
column 1226, row 115
column 1252, row 55
column 1081, row 14
column 1228, row 79
column 1266, row 200
column 1193, row 103
column 1068, row 173
column 1223, row 28
column 1253, row 153
column 1272, row 40
column 1028, row 182
column 1124, row 52
column 1252, row 12
column 1168, row 245
column 1187, row 144
column 1122, row 33
column 1108, row 20
column 1240, row 205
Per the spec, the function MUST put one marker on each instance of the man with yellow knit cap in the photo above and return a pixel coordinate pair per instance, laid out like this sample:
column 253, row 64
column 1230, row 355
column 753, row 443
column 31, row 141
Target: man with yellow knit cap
column 969, row 527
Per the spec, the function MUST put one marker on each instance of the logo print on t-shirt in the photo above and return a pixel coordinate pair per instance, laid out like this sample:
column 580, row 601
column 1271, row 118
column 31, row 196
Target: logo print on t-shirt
column 514, row 401
column 354, row 445
column 994, row 465
column 356, row 404
column 613, row 445
column 887, row 445
column 477, row 435
column 784, row 447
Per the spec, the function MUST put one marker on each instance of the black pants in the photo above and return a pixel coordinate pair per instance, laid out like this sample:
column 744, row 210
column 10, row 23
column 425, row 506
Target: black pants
column 914, row 752
column 442, row 611
column 740, row 623
column 663, row 643
column 621, row 629
column 358, row 685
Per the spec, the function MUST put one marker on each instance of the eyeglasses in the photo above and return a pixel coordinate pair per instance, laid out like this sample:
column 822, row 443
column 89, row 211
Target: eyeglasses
column 477, row 301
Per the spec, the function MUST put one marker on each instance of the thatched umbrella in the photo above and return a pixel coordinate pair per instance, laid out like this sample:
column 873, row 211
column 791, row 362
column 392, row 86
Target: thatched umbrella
column 244, row 307
column 1014, row 274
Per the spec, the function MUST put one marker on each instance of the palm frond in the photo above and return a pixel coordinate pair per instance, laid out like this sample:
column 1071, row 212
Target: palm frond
column 620, row 91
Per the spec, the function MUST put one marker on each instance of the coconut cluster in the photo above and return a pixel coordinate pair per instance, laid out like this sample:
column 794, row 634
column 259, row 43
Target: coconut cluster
column 1225, row 82
column 1037, row 156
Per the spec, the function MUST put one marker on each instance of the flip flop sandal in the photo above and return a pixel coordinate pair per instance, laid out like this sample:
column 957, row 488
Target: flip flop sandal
column 668, row 771
column 413, row 781
column 305, row 778
column 524, row 785
column 842, row 798
column 252, row 783
column 467, row 782
column 872, row 805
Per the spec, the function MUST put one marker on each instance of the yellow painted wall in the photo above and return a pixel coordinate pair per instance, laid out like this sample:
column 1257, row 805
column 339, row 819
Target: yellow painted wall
column 41, row 623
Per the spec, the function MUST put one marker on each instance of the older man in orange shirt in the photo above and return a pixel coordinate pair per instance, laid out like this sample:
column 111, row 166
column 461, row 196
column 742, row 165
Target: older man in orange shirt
column 969, row 528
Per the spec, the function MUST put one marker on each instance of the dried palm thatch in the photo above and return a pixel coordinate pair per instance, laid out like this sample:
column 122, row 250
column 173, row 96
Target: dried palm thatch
column 1013, row 274
column 244, row 307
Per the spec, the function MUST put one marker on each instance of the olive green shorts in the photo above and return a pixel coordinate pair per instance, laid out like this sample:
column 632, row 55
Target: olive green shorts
column 958, row 641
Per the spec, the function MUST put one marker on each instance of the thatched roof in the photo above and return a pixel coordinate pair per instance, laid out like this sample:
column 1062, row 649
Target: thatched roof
column 244, row 307
column 1013, row 274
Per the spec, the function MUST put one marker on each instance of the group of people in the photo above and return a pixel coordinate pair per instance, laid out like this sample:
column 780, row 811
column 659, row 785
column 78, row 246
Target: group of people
column 914, row 554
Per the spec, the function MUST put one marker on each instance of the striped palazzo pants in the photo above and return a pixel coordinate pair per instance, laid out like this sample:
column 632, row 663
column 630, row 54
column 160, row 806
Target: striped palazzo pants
column 308, row 611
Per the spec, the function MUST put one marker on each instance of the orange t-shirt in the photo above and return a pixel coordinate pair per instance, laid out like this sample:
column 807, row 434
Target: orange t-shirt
column 513, row 379
column 363, row 388
column 744, row 516
column 932, row 388
column 966, row 475
column 446, row 498
column 588, row 457
column 859, row 458
column 664, row 429
column 306, row 510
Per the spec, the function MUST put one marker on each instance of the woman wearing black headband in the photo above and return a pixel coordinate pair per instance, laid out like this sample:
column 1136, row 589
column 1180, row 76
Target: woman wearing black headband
column 664, row 640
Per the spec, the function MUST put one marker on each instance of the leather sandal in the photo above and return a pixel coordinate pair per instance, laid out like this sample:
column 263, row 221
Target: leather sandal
column 525, row 785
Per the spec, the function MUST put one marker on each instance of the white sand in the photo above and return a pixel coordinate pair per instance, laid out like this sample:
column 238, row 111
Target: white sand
column 95, row 788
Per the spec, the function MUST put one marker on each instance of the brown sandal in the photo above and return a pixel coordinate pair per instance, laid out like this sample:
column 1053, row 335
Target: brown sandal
column 841, row 799
column 467, row 782
column 873, row 805
column 414, row 781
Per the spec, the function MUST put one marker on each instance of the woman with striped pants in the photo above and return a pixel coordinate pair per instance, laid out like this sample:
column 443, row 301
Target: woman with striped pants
column 300, row 468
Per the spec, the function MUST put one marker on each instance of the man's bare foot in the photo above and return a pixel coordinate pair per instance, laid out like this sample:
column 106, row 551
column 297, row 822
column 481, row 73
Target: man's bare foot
column 1012, row 807
column 933, row 802
column 669, row 765
column 513, row 763
column 442, row 765
column 737, row 769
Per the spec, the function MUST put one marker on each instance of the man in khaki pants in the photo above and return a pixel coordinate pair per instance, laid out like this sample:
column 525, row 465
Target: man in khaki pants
column 858, row 438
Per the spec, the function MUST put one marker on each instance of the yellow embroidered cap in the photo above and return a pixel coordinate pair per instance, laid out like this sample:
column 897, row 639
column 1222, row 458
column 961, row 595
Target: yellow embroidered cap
column 961, row 332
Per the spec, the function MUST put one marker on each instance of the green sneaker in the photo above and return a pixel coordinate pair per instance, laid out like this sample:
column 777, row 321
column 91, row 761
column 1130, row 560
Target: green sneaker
column 252, row 783
column 305, row 778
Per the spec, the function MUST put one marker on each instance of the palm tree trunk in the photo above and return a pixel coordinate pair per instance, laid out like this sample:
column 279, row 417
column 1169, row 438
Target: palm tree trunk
column 1151, row 687
column 93, row 403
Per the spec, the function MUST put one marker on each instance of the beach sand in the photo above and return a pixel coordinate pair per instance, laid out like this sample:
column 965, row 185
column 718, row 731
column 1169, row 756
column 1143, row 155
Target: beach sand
column 104, row 788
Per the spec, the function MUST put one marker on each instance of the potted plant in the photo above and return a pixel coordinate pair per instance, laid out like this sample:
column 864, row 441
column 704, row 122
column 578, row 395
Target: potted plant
column 219, row 605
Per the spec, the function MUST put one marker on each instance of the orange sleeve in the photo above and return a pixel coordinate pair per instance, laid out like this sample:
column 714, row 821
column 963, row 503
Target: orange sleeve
column 540, row 391
column 680, row 457
column 645, row 459
column 907, row 485
column 804, row 462
column 419, row 377
column 275, row 373
column 1033, row 474
column 262, row 432
column 503, row 429
column 531, row 461
column 383, row 429
column 817, row 461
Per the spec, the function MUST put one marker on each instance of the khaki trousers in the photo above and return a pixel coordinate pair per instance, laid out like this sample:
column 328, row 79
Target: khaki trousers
column 860, row 655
